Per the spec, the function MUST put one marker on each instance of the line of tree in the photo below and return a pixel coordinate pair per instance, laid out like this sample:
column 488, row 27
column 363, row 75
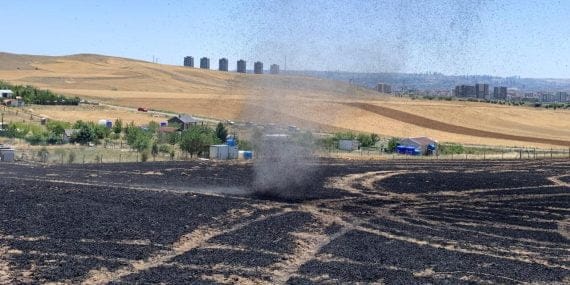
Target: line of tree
column 366, row 140
column 551, row 105
column 53, row 132
column 145, row 140
column 33, row 95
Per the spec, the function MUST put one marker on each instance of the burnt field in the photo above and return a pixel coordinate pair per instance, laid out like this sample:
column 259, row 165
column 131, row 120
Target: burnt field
column 395, row 222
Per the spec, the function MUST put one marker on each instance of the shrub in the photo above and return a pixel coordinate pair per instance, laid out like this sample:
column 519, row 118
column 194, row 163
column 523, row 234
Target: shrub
column 144, row 156
column 115, row 136
column 221, row 132
column 365, row 140
column 53, row 138
column 37, row 138
column 57, row 127
column 304, row 139
column 17, row 130
column 197, row 139
column 43, row 154
column 118, row 126
column 451, row 149
column 71, row 157
column 164, row 148
column 154, row 150
column 85, row 134
column 375, row 138
column 137, row 138
column 329, row 142
column 392, row 144
column 173, row 138
column 245, row 145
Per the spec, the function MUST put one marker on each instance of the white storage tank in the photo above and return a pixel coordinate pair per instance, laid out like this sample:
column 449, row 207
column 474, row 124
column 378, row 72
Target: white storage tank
column 105, row 123
column 349, row 145
column 245, row 154
column 233, row 152
column 219, row 152
column 6, row 154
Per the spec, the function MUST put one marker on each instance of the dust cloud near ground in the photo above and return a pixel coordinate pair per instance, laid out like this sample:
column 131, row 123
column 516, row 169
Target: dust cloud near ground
column 283, row 166
column 283, row 170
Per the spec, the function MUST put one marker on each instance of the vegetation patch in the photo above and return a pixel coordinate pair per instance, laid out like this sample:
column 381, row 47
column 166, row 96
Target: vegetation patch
column 33, row 95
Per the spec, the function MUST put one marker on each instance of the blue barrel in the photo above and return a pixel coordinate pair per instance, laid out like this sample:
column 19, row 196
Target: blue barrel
column 248, row 154
column 231, row 142
column 109, row 124
column 164, row 124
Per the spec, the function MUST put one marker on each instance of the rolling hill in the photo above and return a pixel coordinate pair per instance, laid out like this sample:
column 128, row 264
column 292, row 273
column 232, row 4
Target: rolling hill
column 283, row 99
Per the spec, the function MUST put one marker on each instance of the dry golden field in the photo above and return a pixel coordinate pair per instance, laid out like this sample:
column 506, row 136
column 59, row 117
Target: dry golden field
column 289, row 100
column 93, row 113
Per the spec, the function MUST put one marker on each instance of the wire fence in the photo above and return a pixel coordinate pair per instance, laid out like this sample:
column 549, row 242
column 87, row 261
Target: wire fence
column 83, row 155
column 120, row 153
column 474, row 153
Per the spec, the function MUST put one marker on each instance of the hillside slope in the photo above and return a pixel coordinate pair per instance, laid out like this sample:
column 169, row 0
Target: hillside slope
column 288, row 100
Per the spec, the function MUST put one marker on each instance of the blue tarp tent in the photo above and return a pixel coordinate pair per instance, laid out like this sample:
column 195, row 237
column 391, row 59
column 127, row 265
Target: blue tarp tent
column 409, row 150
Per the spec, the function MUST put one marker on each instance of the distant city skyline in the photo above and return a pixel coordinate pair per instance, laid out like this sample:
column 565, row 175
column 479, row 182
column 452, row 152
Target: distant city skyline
column 500, row 38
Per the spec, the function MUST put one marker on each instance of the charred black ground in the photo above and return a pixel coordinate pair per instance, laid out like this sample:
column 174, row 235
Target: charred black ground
column 398, row 222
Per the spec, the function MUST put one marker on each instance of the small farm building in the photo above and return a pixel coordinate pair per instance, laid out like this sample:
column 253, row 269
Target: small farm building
column 419, row 145
column 17, row 102
column 68, row 134
column 6, row 94
column 184, row 121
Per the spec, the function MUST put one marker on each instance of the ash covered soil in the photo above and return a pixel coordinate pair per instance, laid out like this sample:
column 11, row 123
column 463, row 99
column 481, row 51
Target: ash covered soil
column 396, row 222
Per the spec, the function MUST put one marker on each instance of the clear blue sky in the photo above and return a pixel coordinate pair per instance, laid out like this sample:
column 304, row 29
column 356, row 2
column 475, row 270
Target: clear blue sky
column 510, row 37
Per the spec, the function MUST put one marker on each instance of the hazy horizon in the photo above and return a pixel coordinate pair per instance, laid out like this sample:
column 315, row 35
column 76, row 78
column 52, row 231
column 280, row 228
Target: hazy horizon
column 497, row 38
column 213, row 66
